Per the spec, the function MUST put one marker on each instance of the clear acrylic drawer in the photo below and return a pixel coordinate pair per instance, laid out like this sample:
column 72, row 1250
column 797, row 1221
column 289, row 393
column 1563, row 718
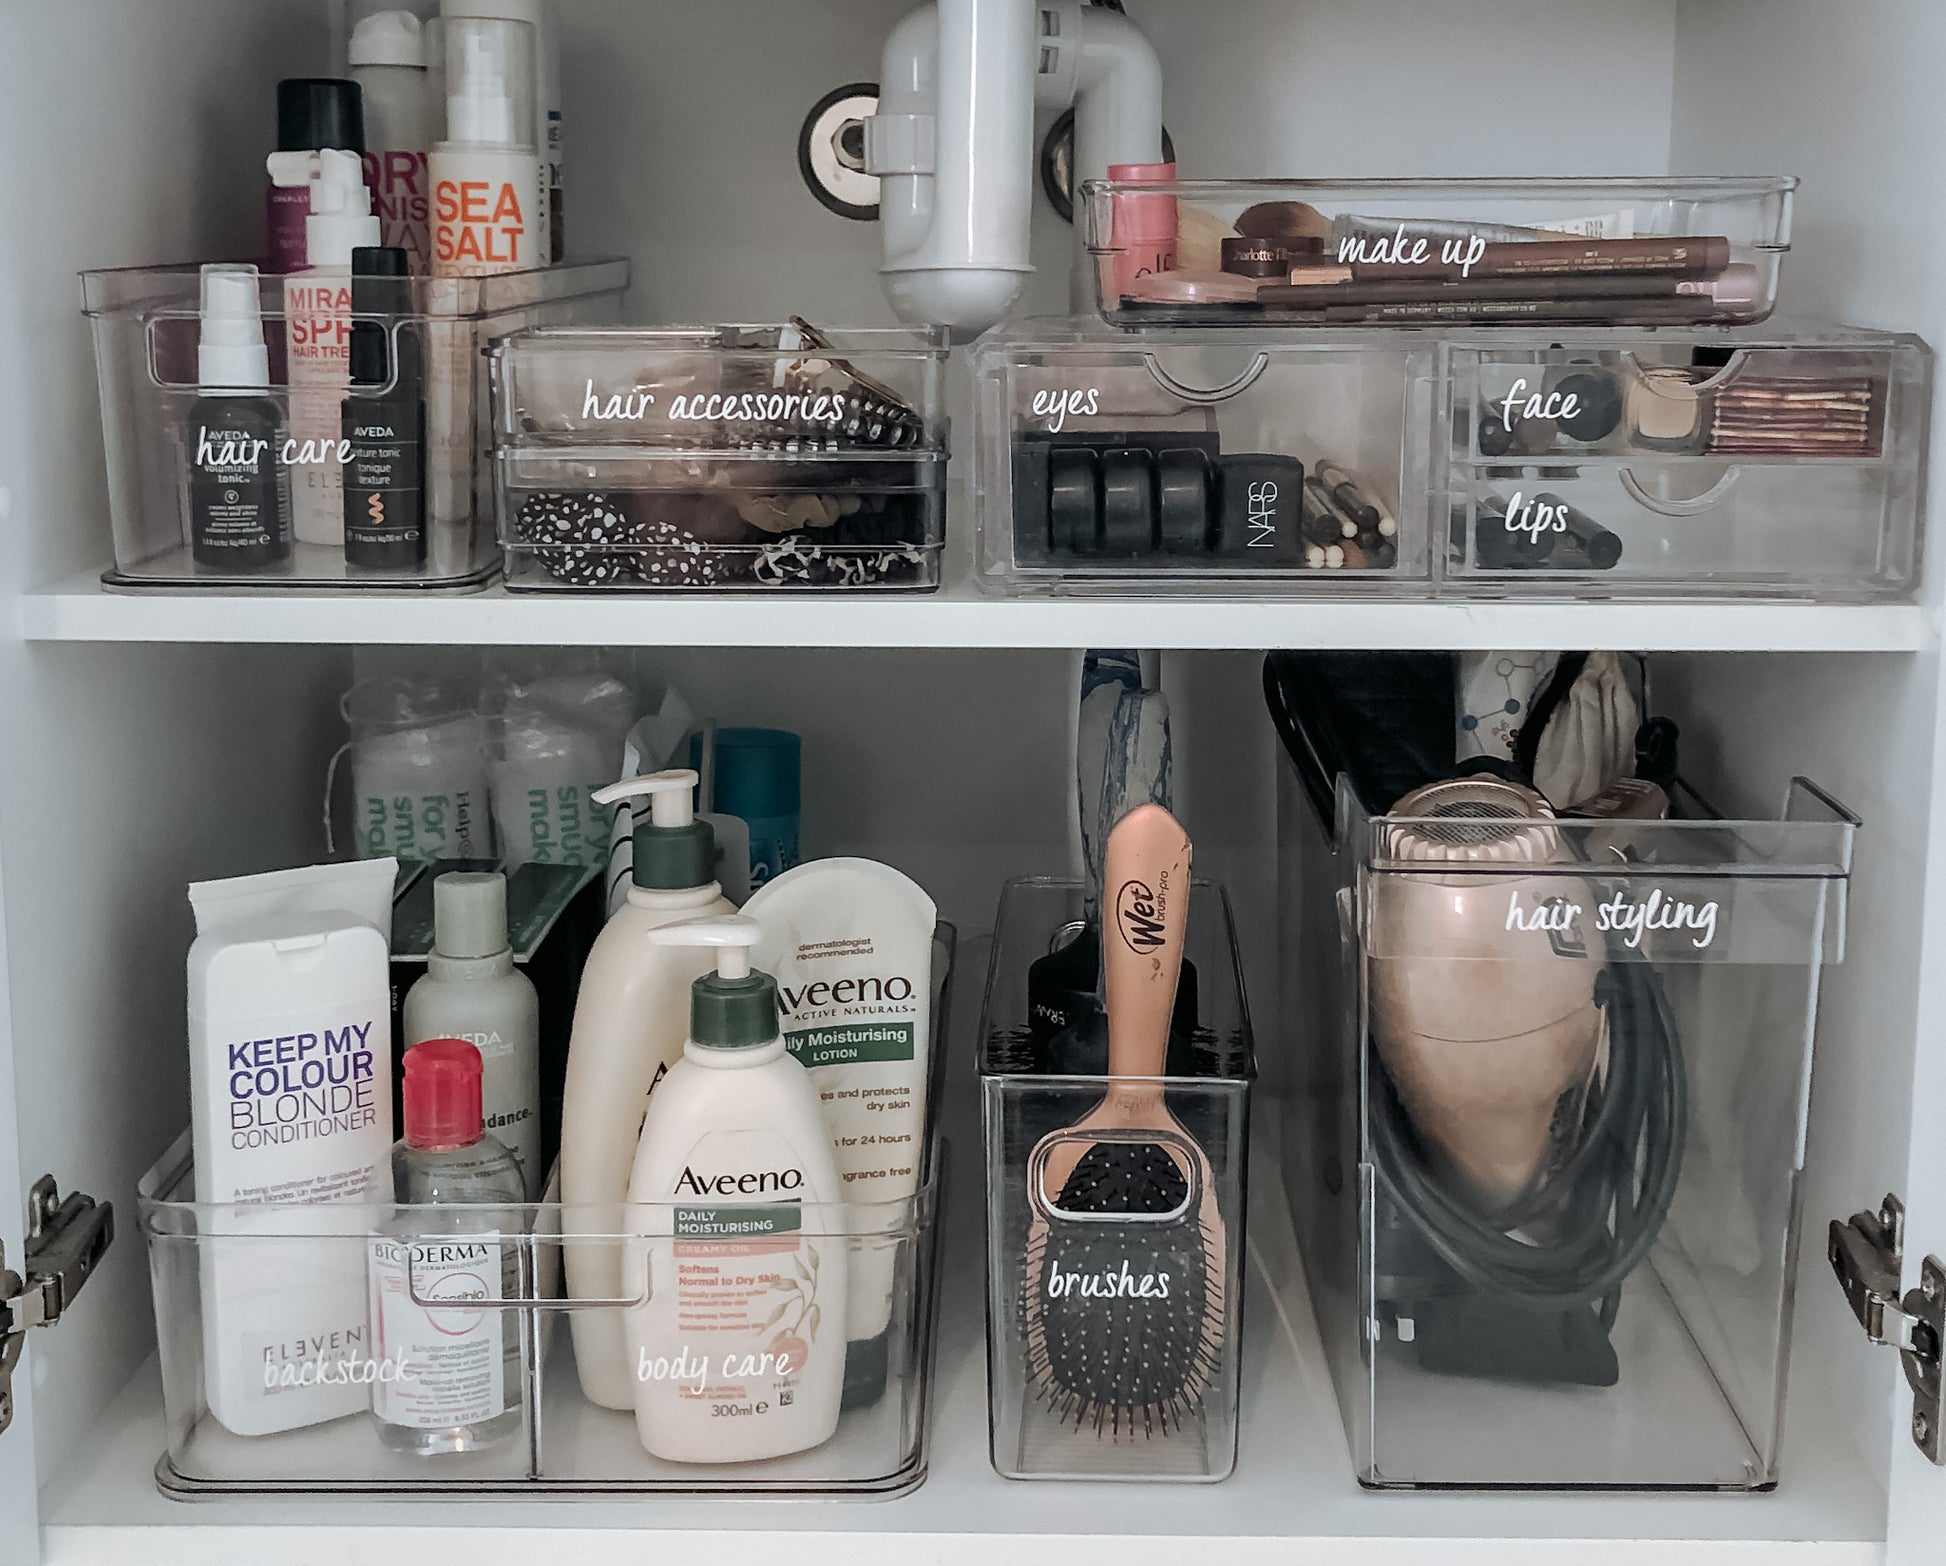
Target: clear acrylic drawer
column 1632, row 463
column 1113, row 1330
column 1545, row 1135
column 1438, row 252
column 1283, row 464
column 251, row 1410
column 768, row 457
column 156, row 420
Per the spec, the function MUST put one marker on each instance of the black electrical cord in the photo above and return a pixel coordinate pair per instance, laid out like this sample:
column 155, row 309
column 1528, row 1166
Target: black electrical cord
column 1591, row 1223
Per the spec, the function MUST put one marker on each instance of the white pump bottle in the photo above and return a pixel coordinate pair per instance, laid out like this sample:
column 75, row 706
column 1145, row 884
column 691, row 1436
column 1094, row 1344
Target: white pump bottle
column 630, row 1020
column 745, row 1267
column 317, row 331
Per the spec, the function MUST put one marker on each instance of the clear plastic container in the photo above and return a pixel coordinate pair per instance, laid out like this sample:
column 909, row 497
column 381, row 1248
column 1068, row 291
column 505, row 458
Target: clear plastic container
column 721, row 457
column 146, row 332
column 1441, row 252
column 1488, row 1327
column 1176, row 1274
column 1588, row 463
column 564, row 1444
column 1285, row 464
column 1674, row 462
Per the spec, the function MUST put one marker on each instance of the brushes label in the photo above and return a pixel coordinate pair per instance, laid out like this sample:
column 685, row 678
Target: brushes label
column 1123, row 1283
column 1631, row 919
column 849, row 1044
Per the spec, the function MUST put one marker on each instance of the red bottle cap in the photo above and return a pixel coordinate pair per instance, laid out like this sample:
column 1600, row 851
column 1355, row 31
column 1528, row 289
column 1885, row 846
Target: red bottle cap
column 442, row 1094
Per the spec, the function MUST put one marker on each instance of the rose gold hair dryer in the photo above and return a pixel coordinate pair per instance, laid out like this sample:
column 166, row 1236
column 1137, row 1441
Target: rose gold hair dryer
column 1483, row 985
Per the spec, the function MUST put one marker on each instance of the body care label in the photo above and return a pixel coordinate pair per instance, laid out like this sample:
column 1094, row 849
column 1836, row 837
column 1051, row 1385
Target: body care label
column 485, row 202
column 454, row 1353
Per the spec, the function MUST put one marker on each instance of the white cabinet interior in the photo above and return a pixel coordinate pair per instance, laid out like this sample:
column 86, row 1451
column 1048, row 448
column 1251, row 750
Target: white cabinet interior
column 194, row 744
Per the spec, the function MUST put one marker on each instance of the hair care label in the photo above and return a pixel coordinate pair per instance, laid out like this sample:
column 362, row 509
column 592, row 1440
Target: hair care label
column 432, row 1316
column 485, row 205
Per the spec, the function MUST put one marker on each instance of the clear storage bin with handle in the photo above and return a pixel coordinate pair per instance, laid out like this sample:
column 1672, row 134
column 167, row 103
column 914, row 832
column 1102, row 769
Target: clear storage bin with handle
column 180, row 431
column 1114, row 1334
column 1661, row 251
column 562, row 1443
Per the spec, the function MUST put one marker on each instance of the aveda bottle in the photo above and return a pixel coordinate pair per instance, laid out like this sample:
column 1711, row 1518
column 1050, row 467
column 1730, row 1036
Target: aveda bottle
column 738, row 1351
column 384, row 418
column 239, row 490
column 630, row 1020
column 485, row 174
column 471, row 990
column 449, row 1375
column 317, row 331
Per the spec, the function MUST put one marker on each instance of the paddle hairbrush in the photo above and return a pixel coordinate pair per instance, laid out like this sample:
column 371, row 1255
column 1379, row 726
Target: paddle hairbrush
column 1124, row 1294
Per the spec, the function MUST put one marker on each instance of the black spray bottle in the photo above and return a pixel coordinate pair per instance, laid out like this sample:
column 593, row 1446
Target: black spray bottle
column 239, row 488
column 384, row 418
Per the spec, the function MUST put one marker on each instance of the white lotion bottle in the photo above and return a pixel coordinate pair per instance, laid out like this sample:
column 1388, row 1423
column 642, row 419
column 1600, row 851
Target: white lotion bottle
column 630, row 1020
column 387, row 55
column 471, row 990
column 317, row 333
column 545, row 132
column 738, row 1347
column 485, row 174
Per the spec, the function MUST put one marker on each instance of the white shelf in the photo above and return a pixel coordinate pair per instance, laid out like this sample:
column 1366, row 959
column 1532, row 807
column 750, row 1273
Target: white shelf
column 1291, row 1501
column 80, row 609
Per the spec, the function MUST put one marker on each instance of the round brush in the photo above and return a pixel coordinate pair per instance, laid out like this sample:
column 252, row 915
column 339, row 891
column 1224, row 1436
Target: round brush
column 1123, row 1290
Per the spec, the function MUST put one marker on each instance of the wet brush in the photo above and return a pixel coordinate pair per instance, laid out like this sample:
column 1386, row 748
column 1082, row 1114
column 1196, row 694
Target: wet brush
column 1124, row 1284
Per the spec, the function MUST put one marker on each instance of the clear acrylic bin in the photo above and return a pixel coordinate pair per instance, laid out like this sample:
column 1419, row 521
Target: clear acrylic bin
column 770, row 457
column 1438, row 252
column 220, row 1271
column 1290, row 464
column 146, row 332
column 1183, row 1302
column 1571, row 1348
column 1679, row 462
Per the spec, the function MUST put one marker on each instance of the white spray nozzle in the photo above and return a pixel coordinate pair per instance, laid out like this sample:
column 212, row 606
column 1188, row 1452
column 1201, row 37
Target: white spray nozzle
column 341, row 207
column 230, row 350
column 731, row 937
column 671, row 795
column 480, row 91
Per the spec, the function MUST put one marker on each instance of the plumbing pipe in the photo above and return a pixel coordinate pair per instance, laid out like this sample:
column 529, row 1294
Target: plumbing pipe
column 1117, row 119
column 953, row 146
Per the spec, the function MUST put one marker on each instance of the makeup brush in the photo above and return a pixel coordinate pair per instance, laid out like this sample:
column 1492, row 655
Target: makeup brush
column 1123, row 1289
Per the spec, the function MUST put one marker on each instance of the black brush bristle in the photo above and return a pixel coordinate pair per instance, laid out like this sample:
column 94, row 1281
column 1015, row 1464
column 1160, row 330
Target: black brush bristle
column 1101, row 1355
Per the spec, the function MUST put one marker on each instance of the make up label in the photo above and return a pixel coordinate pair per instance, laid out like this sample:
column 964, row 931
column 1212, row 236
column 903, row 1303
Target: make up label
column 1400, row 248
column 1056, row 406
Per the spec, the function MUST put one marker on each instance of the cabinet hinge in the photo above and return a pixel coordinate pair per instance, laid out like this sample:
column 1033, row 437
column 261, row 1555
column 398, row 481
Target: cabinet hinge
column 1868, row 1254
column 66, row 1238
